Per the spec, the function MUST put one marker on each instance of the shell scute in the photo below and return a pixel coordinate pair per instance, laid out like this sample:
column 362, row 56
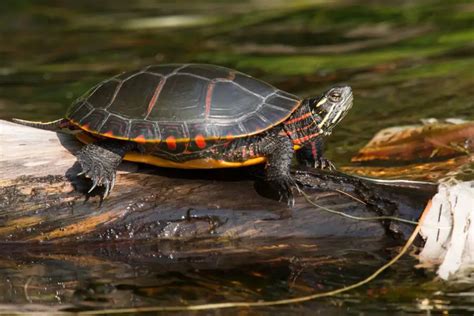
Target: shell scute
column 118, row 126
column 282, row 102
column 80, row 112
column 163, row 70
column 182, row 101
column 143, row 128
column 207, row 71
column 256, row 86
column 96, row 119
column 104, row 95
column 225, row 92
column 134, row 97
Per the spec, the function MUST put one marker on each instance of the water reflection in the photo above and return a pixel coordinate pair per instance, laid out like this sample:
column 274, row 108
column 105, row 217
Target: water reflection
column 123, row 275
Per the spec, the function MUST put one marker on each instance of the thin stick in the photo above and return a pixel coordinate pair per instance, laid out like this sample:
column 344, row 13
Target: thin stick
column 351, row 196
column 359, row 218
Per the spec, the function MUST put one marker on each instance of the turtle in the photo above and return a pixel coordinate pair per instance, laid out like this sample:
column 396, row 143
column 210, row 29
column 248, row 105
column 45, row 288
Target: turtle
column 200, row 116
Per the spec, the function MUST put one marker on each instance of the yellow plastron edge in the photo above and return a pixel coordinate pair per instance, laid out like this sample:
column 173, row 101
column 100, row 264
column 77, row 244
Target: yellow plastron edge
column 205, row 163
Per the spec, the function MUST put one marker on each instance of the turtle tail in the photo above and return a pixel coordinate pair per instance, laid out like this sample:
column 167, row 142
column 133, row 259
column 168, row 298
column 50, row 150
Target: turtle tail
column 50, row 126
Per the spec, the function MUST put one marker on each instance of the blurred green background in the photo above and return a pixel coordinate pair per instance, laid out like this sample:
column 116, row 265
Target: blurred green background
column 406, row 60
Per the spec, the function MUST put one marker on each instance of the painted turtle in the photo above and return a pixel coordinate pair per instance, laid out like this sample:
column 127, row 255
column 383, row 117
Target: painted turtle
column 200, row 116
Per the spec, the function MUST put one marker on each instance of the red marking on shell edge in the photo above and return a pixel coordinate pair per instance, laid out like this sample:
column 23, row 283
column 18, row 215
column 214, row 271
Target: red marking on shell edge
column 229, row 137
column 171, row 142
column 108, row 134
column 140, row 139
column 85, row 126
column 200, row 141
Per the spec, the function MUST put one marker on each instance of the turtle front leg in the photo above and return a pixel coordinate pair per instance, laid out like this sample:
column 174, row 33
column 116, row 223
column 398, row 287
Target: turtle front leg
column 99, row 161
column 279, row 152
column 312, row 155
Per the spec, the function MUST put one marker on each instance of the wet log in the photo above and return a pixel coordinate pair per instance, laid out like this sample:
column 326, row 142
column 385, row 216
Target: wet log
column 42, row 200
column 165, row 231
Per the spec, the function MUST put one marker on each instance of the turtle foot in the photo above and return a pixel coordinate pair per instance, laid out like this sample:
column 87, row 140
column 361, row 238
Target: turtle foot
column 323, row 163
column 100, row 165
column 283, row 187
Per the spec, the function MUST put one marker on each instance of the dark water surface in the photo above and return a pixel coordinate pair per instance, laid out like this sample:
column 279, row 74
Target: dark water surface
column 405, row 61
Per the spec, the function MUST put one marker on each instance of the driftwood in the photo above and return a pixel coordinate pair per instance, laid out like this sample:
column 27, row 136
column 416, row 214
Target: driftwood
column 424, row 152
column 43, row 200
column 419, row 143
column 163, row 222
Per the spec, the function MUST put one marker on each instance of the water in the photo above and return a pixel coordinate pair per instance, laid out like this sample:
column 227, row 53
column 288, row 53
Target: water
column 405, row 61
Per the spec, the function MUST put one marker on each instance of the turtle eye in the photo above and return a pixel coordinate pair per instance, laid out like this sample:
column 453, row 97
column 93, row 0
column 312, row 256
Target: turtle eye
column 335, row 96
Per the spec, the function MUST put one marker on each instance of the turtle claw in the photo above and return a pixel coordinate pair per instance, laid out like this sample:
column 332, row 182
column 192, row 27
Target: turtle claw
column 107, row 188
column 283, row 187
column 96, row 181
column 107, row 182
column 325, row 164
column 99, row 169
column 113, row 182
column 94, row 184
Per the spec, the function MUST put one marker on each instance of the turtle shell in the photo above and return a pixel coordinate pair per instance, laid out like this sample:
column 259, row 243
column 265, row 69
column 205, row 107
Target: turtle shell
column 179, row 102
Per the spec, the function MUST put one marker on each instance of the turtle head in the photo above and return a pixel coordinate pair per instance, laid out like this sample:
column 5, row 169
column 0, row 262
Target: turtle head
column 331, row 107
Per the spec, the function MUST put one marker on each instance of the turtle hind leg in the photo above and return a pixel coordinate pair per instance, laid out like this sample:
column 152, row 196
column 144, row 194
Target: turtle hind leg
column 99, row 162
column 50, row 126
